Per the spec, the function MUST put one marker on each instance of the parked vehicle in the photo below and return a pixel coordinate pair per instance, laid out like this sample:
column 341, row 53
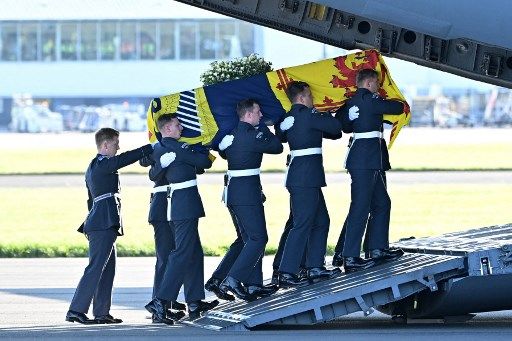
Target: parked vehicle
column 36, row 119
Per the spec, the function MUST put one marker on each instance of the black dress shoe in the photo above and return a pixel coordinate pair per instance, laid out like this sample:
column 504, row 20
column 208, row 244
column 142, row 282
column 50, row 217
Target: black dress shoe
column 337, row 259
column 321, row 273
column 287, row 280
column 386, row 255
column 213, row 284
column 175, row 315
column 159, row 314
column 74, row 316
column 303, row 273
column 107, row 319
column 352, row 264
column 236, row 287
column 196, row 308
column 262, row 290
column 178, row 306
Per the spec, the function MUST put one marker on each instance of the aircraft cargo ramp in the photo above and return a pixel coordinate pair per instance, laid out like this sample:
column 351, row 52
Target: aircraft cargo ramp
column 435, row 278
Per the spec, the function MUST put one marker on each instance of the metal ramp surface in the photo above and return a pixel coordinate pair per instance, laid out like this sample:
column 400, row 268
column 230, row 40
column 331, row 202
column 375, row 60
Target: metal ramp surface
column 330, row 299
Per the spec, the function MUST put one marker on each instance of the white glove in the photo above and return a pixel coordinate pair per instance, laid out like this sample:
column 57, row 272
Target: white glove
column 353, row 112
column 167, row 158
column 226, row 142
column 287, row 123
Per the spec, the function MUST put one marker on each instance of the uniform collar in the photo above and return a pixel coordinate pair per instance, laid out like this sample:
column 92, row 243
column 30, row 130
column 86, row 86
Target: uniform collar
column 363, row 91
column 245, row 125
column 298, row 106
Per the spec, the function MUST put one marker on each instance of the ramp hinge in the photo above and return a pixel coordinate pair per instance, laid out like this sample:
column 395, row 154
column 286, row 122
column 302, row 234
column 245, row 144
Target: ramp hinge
column 347, row 24
column 289, row 6
column 429, row 282
column 385, row 40
column 318, row 314
column 491, row 65
column 364, row 307
column 396, row 292
column 434, row 49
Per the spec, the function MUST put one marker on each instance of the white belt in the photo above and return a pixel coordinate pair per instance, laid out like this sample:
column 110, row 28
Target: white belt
column 367, row 135
column 357, row 136
column 171, row 188
column 300, row 152
column 105, row 196
column 159, row 189
column 236, row 174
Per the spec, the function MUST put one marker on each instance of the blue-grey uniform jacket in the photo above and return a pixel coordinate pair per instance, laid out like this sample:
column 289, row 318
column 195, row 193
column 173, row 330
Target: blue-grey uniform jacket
column 369, row 153
column 246, row 152
column 185, row 203
column 308, row 129
column 101, row 177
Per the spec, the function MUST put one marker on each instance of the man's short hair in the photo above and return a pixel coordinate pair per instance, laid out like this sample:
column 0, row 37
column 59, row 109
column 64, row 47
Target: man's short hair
column 295, row 88
column 164, row 119
column 365, row 74
column 105, row 134
column 244, row 106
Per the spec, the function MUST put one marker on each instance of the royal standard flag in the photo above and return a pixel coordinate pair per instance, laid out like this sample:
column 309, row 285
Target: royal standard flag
column 207, row 114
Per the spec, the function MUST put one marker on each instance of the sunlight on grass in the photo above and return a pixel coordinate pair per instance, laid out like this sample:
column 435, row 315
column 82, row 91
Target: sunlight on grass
column 53, row 215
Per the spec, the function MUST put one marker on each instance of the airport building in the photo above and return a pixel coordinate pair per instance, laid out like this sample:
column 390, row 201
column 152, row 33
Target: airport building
column 98, row 52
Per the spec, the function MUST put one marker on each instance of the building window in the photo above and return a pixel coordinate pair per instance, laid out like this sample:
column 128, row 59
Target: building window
column 227, row 38
column 48, row 42
column 128, row 41
column 88, row 43
column 68, row 41
column 207, row 42
column 109, row 41
column 188, row 41
column 147, row 40
column 9, row 42
column 246, row 36
column 167, row 47
column 28, row 38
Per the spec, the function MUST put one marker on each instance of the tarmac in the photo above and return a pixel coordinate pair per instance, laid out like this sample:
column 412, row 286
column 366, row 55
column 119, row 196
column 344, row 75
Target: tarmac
column 35, row 295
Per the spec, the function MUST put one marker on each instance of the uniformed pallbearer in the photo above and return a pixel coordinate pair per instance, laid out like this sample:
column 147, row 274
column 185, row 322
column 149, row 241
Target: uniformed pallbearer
column 304, row 128
column 244, row 149
column 102, row 226
column 163, row 231
column 185, row 264
column 367, row 161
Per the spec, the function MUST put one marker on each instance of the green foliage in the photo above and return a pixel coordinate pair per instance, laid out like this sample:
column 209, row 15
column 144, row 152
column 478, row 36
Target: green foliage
column 222, row 70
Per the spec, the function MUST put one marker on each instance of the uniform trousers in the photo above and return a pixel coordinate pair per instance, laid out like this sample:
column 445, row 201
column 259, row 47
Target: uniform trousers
column 247, row 267
column 282, row 242
column 164, row 244
column 369, row 194
column 309, row 232
column 98, row 278
column 185, row 264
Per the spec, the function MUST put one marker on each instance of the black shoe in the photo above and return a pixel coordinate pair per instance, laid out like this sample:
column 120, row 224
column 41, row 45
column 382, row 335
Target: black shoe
column 157, row 308
column 107, row 319
column 196, row 308
column 352, row 264
column 178, row 306
column 213, row 284
column 262, row 290
column 287, row 280
column 303, row 273
column 236, row 287
column 74, row 316
column 275, row 277
column 175, row 315
column 321, row 273
column 337, row 259
column 386, row 255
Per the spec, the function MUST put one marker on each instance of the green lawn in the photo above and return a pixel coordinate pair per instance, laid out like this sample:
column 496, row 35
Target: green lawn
column 48, row 217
